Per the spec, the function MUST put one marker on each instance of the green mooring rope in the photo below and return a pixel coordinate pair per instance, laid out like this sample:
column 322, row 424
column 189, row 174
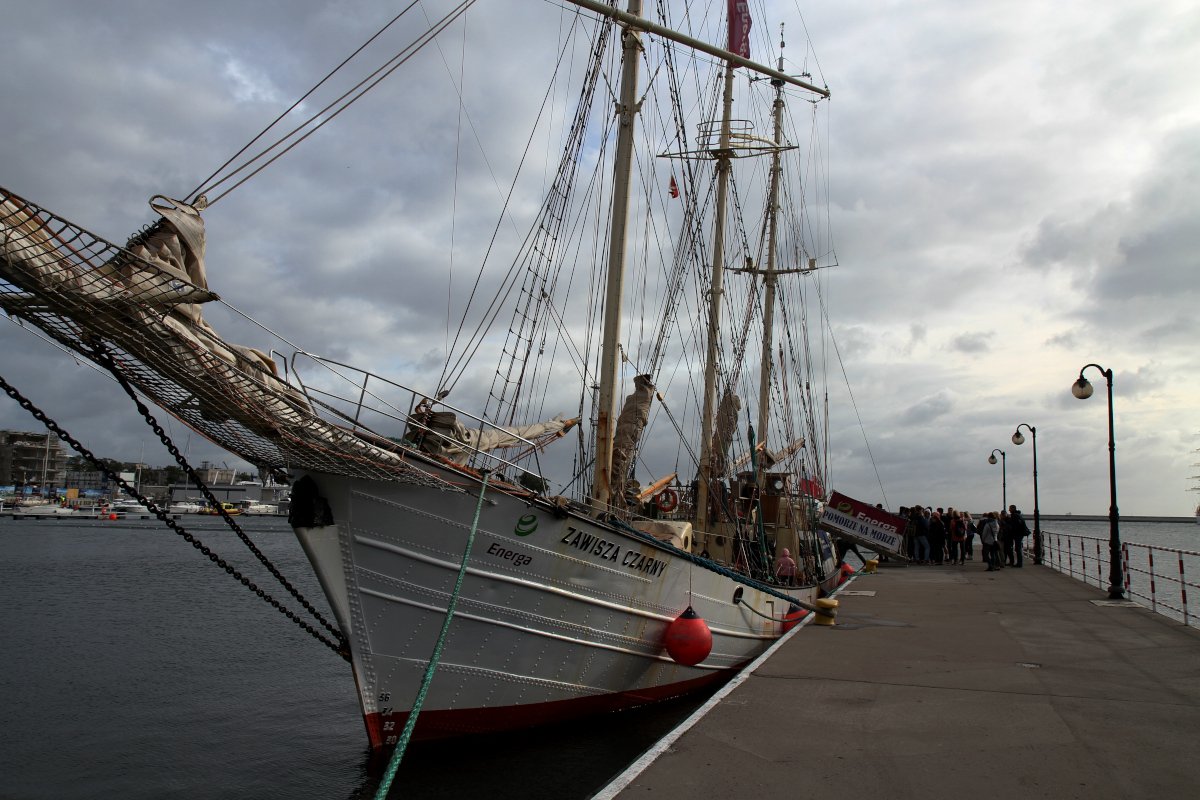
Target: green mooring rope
column 389, row 775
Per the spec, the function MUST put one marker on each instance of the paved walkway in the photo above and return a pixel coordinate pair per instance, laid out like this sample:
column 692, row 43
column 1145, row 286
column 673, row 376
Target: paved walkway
column 954, row 682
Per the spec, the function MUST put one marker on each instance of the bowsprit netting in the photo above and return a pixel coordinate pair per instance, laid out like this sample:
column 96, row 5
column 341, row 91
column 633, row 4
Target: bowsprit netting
column 142, row 304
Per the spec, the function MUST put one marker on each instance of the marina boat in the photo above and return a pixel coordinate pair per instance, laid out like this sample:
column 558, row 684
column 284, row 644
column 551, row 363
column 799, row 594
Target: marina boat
column 39, row 510
column 128, row 508
column 185, row 507
column 256, row 508
column 539, row 578
column 229, row 508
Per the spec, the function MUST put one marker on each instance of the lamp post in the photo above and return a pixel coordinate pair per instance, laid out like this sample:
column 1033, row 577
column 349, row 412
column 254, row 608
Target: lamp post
column 1003, row 475
column 1083, row 390
column 1019, row 439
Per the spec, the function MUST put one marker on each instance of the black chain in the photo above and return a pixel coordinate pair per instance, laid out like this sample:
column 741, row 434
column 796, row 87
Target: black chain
column 104, row 358
column 339, row 646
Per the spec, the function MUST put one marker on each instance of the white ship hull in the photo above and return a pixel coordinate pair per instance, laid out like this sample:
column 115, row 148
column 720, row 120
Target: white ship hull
column 558, row 616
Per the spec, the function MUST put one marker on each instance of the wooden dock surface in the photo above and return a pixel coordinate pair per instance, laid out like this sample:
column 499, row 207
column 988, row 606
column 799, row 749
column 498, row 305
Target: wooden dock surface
column 951, row 682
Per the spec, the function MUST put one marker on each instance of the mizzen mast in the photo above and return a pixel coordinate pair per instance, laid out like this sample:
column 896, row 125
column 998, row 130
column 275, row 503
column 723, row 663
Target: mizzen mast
column 770, row 278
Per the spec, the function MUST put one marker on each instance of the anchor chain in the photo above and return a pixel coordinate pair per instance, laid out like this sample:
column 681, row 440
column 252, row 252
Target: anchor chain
column 339, row 646
column 104, row 358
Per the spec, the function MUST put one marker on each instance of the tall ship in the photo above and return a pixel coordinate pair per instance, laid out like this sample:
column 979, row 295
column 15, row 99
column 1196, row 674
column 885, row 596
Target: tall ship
column 608, row 495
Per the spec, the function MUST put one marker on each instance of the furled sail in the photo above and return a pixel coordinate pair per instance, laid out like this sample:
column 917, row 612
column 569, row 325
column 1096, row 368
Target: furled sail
column 727, row 416
column 630, row 424
column 449, row 438
column 175, row 247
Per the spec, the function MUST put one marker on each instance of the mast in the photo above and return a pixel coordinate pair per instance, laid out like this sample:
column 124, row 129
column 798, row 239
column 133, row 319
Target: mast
column 738, row 60
column 722, row 155
column 764, row 385
column 45, row 460
column 610, row 363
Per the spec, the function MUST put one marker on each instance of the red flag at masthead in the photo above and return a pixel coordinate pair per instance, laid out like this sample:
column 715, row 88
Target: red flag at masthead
column 674, row 187
column 739, row 27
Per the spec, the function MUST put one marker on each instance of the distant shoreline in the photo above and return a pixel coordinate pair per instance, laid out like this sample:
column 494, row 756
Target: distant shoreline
column 1104, row 518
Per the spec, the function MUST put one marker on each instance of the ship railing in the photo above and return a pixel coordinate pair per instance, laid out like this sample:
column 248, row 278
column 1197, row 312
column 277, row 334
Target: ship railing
column 379, row 408
column 1155, row 577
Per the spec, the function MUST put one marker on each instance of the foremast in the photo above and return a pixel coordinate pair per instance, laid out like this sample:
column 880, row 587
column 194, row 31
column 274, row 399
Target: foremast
column 610, row 363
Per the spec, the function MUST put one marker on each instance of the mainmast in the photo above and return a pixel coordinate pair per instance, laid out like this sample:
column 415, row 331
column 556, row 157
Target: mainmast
column 610, row 363
column 723, row 154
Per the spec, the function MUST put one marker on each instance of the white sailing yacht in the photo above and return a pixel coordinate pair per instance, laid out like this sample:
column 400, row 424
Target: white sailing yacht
column 411, row 509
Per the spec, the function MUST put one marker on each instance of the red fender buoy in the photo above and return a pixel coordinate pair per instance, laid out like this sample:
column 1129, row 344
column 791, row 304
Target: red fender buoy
column 793, row 618
column 688, row 640
column 844, row 573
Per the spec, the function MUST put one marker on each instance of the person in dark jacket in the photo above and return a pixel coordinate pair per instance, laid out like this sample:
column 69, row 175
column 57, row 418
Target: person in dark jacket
column 1019, row 530
column 937, row 538
column 1006, row 539
column 919, row 527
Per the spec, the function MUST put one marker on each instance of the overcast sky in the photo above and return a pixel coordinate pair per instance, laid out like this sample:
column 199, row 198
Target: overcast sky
column 1014, row 193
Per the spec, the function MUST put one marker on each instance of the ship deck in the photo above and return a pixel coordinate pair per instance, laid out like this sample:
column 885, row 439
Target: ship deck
column 948, row 682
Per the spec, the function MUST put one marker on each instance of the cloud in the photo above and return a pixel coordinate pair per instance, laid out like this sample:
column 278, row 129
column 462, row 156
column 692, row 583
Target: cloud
column 977, row 342
column 928, row 409
column 998, row 186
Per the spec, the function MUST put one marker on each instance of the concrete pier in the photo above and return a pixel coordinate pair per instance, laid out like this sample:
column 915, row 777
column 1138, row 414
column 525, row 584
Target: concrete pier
column 952, row 682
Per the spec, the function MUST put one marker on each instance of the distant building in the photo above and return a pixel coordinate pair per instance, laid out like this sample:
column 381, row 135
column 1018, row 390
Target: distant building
column 86, row 480
column 215, row 475
column 29, row 459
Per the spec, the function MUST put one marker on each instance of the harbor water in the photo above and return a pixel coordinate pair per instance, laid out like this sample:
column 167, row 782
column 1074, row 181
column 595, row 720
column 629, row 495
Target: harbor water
column 135, row 668
column 1161, row 560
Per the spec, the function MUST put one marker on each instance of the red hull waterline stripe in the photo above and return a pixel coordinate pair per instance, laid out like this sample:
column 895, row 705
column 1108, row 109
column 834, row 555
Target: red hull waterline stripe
column 383, row 731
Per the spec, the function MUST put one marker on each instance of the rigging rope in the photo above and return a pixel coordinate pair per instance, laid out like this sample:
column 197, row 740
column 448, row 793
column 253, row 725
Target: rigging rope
column 338, row 105
column 394, row 764
column 197, row 191
column 542, row 239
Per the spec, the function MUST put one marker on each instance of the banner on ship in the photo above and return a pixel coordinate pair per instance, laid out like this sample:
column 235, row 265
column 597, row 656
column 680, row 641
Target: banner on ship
column 864, row 523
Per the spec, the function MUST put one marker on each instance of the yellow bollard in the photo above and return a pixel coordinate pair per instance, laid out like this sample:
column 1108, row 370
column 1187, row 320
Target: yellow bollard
column 828, row 612
column 871, row 566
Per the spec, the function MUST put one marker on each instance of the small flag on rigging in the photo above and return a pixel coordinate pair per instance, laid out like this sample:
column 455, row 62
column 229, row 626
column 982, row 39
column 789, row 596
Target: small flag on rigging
column 674, row 187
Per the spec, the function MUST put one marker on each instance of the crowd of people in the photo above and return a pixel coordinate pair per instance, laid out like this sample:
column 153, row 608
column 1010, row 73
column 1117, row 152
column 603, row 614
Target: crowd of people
column 947, row 536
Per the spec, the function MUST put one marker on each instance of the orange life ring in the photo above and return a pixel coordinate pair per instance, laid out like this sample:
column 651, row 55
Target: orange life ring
column 667, row 500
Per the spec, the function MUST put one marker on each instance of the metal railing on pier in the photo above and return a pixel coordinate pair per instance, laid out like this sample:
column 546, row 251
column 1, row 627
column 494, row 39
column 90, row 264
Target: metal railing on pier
column 1155, row 577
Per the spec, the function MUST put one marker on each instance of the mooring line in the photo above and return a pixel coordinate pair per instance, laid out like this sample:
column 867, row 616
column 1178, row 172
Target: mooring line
column 386, row 783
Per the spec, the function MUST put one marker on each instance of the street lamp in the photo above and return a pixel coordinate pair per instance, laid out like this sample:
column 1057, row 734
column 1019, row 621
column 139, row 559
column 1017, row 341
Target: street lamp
column 1018, row 439
column 1003, row 475
column 1083, row 390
